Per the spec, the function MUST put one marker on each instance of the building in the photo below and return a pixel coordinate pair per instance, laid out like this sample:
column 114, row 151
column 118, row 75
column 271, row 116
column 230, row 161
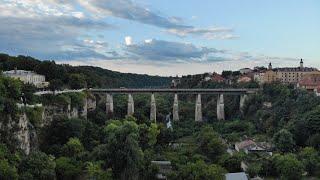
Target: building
column 28, row 77
column 244, row 79
column 250, row 146
column 245, row 71
column 259, row 77
column 244, row 145
column 317, row 91
column 217, row 78
column 289, row 75
column 310, row 82
column 236, row 176
column 175, row 82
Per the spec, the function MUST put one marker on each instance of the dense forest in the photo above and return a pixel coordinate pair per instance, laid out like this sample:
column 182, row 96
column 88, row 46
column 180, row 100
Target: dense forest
column 74, row 77
column 116, row 146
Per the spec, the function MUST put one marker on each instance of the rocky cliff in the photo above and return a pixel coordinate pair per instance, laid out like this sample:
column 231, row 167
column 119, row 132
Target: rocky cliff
column 22, row 131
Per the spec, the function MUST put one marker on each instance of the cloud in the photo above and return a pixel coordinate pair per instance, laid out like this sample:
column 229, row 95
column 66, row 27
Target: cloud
column 160, row 50
column 209, row 33
column 128, row 40
column 46, row 32
column 58, row 29
column 127, row 9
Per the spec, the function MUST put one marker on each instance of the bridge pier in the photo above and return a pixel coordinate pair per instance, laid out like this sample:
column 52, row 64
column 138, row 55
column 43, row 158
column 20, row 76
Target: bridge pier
column 198, row 111
column 109, row 104
column 175, row 113
column 220, row 107
column 130, row 105
column 153, row 109
column 243, row 99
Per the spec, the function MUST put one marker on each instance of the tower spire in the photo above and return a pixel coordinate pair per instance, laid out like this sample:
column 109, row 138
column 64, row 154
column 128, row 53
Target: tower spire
column 270, row 66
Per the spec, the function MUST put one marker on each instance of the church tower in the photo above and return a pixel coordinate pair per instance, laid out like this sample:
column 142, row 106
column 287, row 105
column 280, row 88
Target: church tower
column 301, row 64
column 270, row 66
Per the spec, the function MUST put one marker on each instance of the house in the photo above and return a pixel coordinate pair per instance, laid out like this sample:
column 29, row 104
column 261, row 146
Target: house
column 245, row 71
column 250, row 146
column 310, row 82
column 217, row 78
column 267, row 105
column 259, row 77
column 244, row 79
column 317, row 91
column 244, row 145
column 175, row 82
column 236, row 176
column 28, row 77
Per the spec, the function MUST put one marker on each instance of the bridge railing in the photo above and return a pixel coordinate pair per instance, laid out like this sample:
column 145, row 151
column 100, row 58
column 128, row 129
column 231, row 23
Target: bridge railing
column 179, row 91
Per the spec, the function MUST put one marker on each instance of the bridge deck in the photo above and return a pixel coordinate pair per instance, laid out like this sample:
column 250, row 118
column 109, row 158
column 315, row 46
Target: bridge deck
column 179, row 91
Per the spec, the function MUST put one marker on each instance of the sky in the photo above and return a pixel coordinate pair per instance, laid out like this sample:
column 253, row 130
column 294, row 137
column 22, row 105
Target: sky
column 163, row 37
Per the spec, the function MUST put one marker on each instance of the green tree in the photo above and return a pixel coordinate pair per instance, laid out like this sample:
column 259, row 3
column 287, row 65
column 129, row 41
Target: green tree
column 288, row 166
column 7, row 171
column 313, row 121
column 121, row 150
column 254, row 169
column 311, row 160
column 95, row 172
column 77, row 81
column 284, row 141
column 67, row 168
column 200, row 171
column 314, row 141
column 37, row 165
column 232, row 163
column 73, row 147
column 210, row 144
column 28, row 90
column 55, row 84
column 8, row 163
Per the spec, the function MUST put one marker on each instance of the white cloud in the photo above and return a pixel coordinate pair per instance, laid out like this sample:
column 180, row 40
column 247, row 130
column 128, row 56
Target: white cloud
column 148, row 40
column 128, row 40
column 208, row 33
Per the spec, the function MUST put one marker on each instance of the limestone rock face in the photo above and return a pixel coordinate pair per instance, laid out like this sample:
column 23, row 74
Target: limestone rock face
column 91, row 103
column 23, row 134
column 74, row 113
column 17, row 132
column 84, row 109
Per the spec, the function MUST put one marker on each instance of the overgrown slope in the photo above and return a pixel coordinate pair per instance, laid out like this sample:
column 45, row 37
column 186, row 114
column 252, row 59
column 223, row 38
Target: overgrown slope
column 66, row 76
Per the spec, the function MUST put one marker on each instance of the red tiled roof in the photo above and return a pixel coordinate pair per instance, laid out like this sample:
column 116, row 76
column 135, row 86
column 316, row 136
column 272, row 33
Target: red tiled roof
column 310, row 80
column 245, row 144
column 217, row 77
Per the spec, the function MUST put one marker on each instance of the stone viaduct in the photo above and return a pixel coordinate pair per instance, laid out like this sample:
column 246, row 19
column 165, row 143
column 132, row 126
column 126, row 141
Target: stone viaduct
column 243, row 93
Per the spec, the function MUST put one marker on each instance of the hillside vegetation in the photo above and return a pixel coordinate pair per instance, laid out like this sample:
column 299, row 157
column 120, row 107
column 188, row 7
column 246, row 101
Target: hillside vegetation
column 113, row 146
column 66, row 76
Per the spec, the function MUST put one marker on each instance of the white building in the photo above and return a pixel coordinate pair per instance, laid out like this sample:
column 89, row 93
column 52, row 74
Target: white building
column 245, row 70
column 287, row 75
column 259, row 77
column 28, row 77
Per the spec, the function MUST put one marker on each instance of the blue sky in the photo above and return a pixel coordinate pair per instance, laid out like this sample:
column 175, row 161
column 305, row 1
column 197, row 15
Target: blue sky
column 163, row 37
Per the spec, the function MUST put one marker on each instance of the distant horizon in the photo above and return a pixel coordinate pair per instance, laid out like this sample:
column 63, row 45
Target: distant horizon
column 174, row 75
column 163, row 38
